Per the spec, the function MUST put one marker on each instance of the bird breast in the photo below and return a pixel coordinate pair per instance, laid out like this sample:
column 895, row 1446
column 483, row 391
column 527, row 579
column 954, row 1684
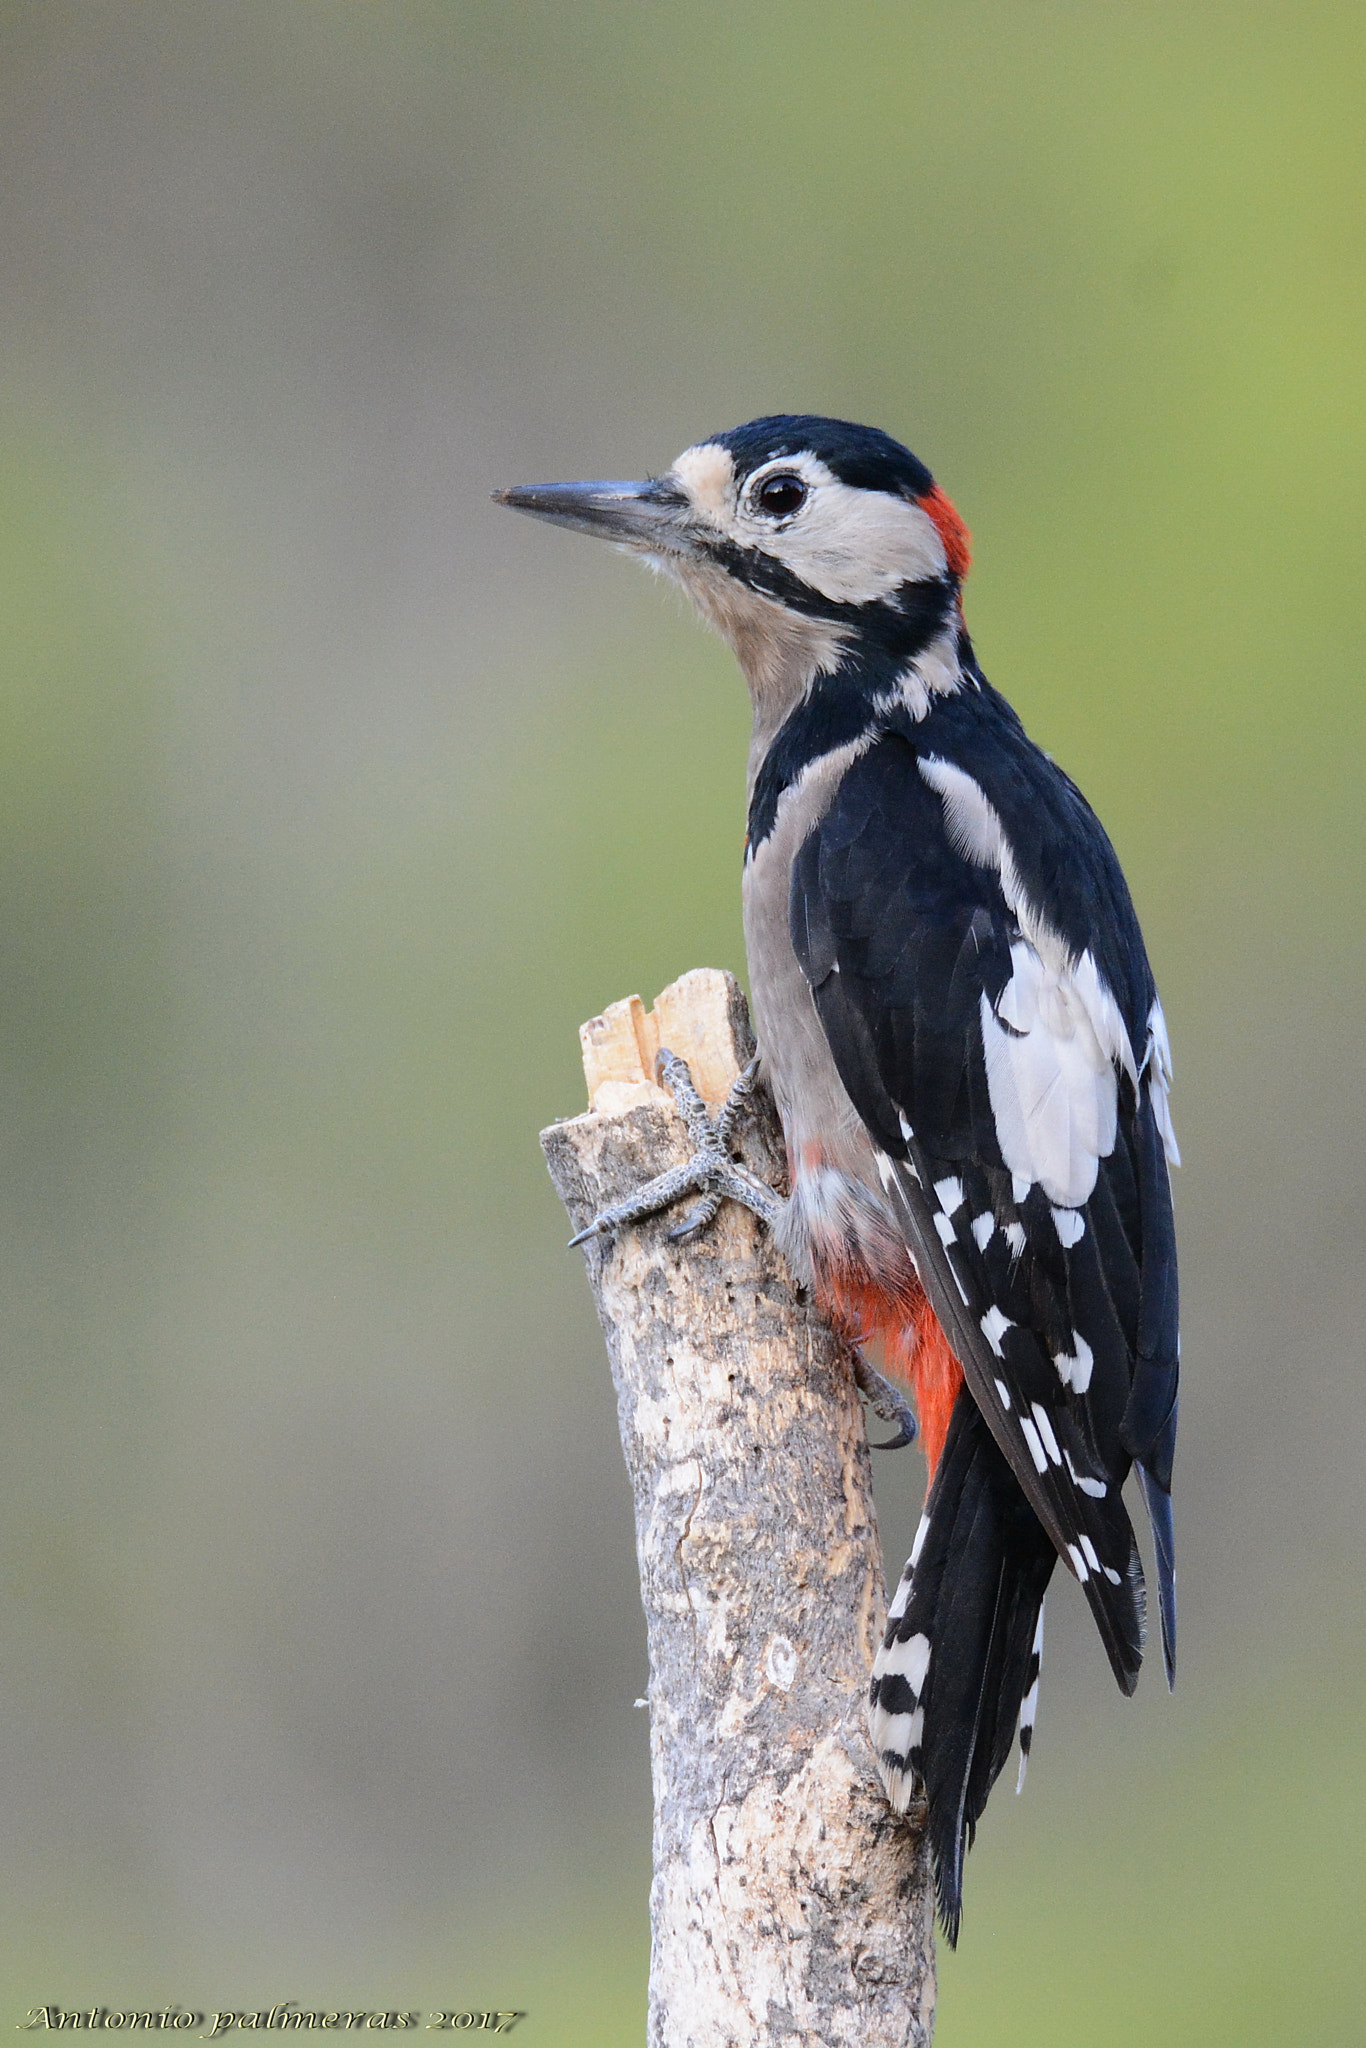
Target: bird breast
column 838, row 1217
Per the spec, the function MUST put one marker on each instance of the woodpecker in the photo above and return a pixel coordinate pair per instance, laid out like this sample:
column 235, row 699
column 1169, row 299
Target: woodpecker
column 955, row 1012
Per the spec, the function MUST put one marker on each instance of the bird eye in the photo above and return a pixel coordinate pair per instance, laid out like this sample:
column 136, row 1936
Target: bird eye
column 780, row 496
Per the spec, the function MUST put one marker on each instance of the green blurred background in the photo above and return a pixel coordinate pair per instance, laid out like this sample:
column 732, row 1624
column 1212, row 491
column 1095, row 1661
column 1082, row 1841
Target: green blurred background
column 334, row 799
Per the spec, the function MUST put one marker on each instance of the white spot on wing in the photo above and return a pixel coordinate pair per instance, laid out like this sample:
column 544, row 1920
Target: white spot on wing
column 1079, row 1564
column 1004, row 1391
column 909, row 1135
column 982, row 1228
column 994, row 1327
column 1045, row 1429
column 950, row 1193
column 1074, row 1369
column 1096, row 1488
column 1088, row 1550
column 947, row 1234
column 922, row 1531
column 1069, row 1224
column 1015, row 1238
column 1036, row 1449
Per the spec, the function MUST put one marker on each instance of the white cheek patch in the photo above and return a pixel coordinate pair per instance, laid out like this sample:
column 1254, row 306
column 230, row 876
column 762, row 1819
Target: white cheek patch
column 851, row 545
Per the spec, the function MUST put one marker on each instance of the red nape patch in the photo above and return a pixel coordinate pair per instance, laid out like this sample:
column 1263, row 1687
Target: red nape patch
column 955, row 536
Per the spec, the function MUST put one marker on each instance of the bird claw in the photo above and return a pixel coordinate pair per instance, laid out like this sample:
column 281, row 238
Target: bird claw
column 905, row 1435
column 696, row 1220
column 711, row 1173
column 885, row 1401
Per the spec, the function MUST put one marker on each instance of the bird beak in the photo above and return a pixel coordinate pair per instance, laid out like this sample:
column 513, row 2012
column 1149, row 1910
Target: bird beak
column 648, row 516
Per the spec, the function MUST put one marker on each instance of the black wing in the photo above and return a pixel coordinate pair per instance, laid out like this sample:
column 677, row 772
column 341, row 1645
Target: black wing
column 1062, row 1315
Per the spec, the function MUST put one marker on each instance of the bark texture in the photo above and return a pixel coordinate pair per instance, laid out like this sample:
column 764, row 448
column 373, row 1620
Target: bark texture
column 789, row 1904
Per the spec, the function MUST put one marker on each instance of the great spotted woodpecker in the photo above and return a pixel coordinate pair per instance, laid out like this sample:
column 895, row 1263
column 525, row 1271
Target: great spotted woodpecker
column 955, row 1012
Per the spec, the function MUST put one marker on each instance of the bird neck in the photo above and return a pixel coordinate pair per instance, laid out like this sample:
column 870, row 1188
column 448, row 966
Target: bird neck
column 788, row 657
column 873, row 685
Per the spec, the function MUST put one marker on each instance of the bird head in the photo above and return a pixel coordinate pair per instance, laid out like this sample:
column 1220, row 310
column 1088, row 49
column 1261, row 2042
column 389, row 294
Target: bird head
column 789, row 519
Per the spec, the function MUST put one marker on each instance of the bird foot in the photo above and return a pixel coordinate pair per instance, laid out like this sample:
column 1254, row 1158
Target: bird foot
column 712, row 1173
column 885, row 1400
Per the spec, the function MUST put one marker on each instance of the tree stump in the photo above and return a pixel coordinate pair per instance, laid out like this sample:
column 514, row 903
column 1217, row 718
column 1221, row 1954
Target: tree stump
column 788, row 1904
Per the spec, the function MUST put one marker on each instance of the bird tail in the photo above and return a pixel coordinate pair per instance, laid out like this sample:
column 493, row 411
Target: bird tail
column 959, row 1664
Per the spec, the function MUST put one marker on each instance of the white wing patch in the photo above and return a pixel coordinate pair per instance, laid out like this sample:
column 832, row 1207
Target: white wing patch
column 1052, row 1083
column 1055, row 1042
